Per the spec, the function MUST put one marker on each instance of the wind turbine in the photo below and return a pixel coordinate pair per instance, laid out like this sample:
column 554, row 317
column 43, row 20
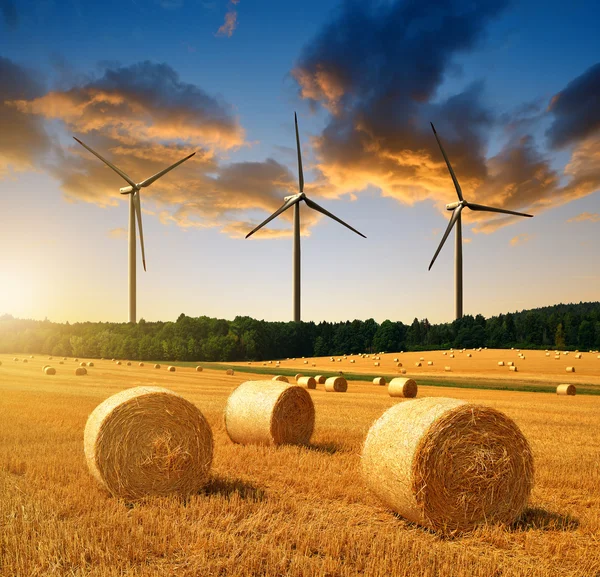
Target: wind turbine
column 294, row 200
column 456, row 208
column 135, row 209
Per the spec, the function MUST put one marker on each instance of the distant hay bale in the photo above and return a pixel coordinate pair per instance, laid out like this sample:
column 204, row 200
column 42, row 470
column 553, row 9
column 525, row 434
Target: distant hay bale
column 90, row 364
column 25, row 360
column 31, row 356
column 510, row 363
column 230, row 372
column 157, row 366
column 298, row 376
column 451, row 356
column 547, row 354
column 320, row 379
column 468, row 354
column 395, row 359
column 448, row 465
column 421, row 358
column 401, row 387
column 379, row 381
column 570, row 369
column 45, row 367
column 398, row 364
column 49, row 371
column 199, row 369
column 128, row 363
column 351, row 360
column 306, row 362
column 16, row 359
column 447, row 369
column 80, row 371
column 49, row 358
column 578, row 356
column 332, row 360
column 140, row 364
column 148, row 441
column 76, row 360
column 82, row 364
column 118, row 362
column 336, row 385
column 376, row 364
column 64, row 358
column 402, row 371
column 281, row 378
column 171, row 369
column 308, row 382
column 430, row 363
column 500, row 363
column 314, row 364
column 269, row 413
column 512, row 368
column 61, row 362
column 270, row 362
column 444, row 353
column 566, row 390
column 417, row 364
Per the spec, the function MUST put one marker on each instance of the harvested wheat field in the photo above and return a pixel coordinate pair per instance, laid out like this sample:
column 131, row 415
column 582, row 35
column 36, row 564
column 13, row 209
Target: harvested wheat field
column 286, row 510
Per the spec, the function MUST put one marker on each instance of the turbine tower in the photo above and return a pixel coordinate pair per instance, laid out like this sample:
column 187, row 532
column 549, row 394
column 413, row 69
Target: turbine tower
column 294, row 200
column 135, row 210
column 456, row 208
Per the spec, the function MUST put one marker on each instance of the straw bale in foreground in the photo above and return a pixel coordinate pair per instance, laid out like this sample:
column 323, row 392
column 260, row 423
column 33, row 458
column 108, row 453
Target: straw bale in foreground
column 281, row 378
column 269, row 413
column 566, row 390
column 402, row 387
column 80, row 371
column 320, row 379
column 148, row 441
column 50, row 371
column 379, row 381
column 448, row 465
column 308, row 382
column 336, row 385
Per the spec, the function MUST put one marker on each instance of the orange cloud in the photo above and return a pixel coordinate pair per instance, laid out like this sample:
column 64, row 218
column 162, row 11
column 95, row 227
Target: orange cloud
column 593, row 217
column 230, row 23
column 117, row 233
column 520, row 239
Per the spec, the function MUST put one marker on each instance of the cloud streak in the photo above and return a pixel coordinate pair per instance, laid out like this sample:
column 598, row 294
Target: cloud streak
column 230, row 23
column 585, row 216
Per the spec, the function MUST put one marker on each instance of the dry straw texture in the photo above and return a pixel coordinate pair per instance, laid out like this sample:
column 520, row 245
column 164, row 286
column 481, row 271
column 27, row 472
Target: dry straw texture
column 140, row 364
column 320, row 379
column 80, row 371
column 157, row 366
column 171, row 369
column 298, row 376
column 336, row 385
column 308, row 382
column 148, row 441
column 199, row 369
column 269, row 413
column 379, row 381
column 401, row 387
column 566, row 390
column 229, row 372
column 448, row 465
column 281, row 378
column 50, row 371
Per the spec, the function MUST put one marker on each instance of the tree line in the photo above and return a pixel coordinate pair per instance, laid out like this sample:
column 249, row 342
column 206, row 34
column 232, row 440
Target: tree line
column 564, row 326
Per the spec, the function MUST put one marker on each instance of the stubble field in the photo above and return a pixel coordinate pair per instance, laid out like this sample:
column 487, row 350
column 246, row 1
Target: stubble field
column 281, row 511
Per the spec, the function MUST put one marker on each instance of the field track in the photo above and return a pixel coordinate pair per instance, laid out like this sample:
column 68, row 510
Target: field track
column 288, row 510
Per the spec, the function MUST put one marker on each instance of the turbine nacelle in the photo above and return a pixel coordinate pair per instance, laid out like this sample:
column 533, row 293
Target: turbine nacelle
column 127, row 189
column 453, row 205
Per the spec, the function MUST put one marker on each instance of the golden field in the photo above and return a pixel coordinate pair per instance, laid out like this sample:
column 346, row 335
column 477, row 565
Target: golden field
column 290, row 510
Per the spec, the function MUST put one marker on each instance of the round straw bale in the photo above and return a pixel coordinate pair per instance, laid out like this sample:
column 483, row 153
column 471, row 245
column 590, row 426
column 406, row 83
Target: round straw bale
column 320, row 379
column 25, row 360
column 140, row 364
column 566, row 390
column 379, row 381
column 336, row 385
column 578, row 356
column 128, row 363
column 15, row 359
column 269, row 413
column 500, row 363
column 468, row 354
column 570, row 369
column 298, row 376
column 229, row 372
column 50, row 371
column 351, row 360
column 444, row 353
column 118, row 362
column 510, row 363
column 148, row 441
column 281, row 378
column 451, row 356
column 171, row 369
column 375, row 364
column 306, row 362
column 90, row 364
column 395, row 359
column 417, row 364
column 421, row 358
column 429, row 363
column 45, row 367
column 547, row 354
column 512, row 368
column 401, row 387
column 80, row 371
column 398, row 364
column 448, row 465
column 199, row 369
column 82, row 364
column 76, row 360
column 402, row 371
column 31, row 356
column 64, row 358
column 61, row 362
column 157, row 366
column 447, row 369
column 308, row 382
column 49, row 358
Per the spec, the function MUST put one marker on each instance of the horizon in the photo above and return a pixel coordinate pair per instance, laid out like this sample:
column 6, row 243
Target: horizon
column 515, row 109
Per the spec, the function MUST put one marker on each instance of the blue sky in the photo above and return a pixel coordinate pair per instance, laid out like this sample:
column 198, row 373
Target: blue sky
column 65, row 254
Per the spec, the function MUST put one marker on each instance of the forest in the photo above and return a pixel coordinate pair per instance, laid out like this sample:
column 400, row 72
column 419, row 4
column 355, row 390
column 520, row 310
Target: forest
column 563, row 326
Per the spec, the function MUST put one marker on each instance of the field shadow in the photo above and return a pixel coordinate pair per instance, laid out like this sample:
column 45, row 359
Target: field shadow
column 225, row 487
column 538, row 519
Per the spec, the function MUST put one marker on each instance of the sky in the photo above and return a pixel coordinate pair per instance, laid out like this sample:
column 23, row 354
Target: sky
column 512, row 88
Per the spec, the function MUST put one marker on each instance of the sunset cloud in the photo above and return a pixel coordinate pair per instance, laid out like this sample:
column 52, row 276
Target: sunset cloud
column 117, row 233
column 520, row 239
column 584, row 216
column 230, row 24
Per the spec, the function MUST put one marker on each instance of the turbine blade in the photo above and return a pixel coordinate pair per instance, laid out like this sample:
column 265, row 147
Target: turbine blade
column 492, row 209
column 300, row 173
column 150, row 180
column 453, row 219
column 320, row 209
column 138, row 212
column 285, row 206
column 456, row 185
column 109, row 164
